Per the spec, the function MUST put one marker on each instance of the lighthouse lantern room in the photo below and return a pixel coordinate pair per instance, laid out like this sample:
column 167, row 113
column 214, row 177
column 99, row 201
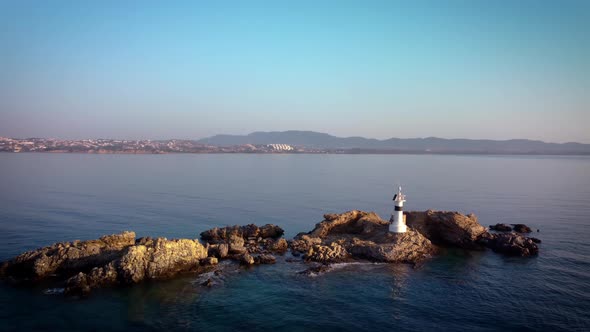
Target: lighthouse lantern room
column 397, row 223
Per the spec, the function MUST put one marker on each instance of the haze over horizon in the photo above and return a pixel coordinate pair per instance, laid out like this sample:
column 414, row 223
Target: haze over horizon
column 378, row 69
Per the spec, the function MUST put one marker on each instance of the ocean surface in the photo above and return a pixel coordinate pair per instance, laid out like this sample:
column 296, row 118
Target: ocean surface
column 46, row 198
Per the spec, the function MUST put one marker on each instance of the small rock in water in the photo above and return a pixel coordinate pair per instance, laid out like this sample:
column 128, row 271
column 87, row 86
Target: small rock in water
column 316, row 270
column 265, row 259
column 522, row 228
column 501, row 227
column 207, row 283
column 209, row 261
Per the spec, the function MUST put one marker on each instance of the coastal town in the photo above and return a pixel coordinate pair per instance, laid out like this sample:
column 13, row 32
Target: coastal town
column 138, row 146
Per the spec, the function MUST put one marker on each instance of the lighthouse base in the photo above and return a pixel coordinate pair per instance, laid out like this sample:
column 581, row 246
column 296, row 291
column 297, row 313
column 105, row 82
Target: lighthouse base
column 397, row 223
column 397, row 228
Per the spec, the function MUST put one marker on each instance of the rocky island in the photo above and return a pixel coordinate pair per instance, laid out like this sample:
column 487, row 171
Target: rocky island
column 121, row 259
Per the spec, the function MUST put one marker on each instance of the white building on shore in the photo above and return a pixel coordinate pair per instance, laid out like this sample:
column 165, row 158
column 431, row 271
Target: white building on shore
column 280, row 147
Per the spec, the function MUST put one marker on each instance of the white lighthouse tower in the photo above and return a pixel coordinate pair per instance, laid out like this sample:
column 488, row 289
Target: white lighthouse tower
column 397, row 223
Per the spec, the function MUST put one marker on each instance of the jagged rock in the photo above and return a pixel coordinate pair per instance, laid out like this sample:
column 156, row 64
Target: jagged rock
column 207, row 283
column 271, row 231
column 534, row 239
column 246, row 259
column 220, row 235
column 82, row 283
column 165, row 258
column 303, row 242
column 331, row 253
column 220, row 250
column 236, row 250
column 409, row 247
column 209, row 261
column 352, row 222
column 358, row 234
column 279, row 246
column 447, row 228
column 236, row 244
column 522, row 228
column 159, row 258
column 238, row 240
column 513, row 245
column 223, row 250
column 67, row 258
column 146, row 241
column 501, row 228
column 265, row 259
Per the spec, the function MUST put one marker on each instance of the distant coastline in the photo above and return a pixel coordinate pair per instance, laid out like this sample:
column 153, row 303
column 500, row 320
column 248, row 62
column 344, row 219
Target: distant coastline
column 294, row 142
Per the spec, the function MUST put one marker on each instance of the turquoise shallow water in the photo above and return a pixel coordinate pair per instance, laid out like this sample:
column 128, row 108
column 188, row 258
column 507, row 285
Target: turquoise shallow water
column 45, row 198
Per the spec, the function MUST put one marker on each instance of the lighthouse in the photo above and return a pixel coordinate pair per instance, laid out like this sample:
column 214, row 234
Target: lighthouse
column 397, row 223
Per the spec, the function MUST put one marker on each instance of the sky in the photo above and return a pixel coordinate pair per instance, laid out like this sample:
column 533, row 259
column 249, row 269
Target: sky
column 378, row 69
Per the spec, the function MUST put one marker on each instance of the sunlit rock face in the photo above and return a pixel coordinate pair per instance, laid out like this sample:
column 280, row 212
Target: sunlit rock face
column 360, row 235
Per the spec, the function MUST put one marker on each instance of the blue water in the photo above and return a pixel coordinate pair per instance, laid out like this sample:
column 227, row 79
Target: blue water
column 46, row 198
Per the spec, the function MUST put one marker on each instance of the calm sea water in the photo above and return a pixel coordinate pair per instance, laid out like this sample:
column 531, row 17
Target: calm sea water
column 45, row 198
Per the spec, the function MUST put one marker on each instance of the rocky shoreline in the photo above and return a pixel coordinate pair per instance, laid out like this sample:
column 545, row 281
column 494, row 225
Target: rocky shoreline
column 121, row 259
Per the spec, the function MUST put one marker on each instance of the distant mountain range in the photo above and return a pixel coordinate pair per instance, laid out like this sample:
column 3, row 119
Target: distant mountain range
column 310, row 139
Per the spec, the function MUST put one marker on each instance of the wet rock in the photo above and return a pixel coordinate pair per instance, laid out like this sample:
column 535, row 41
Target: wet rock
column 82, row 283
column 265, row 259
column 501, row 228
column 513, row 245
column 316, row 270
column 246, row 259
column 534, row 239
column 522, row 228
column 207, row 283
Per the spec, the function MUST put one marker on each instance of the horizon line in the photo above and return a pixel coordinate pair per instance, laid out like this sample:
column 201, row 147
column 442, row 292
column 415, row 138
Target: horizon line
column 301, row 131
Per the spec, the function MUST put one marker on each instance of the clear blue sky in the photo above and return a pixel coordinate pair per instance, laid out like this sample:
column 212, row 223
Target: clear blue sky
column 167, row 69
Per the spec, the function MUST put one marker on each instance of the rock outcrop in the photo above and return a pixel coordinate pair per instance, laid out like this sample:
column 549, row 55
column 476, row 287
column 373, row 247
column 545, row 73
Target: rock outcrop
column 65, row 258
column 161, row 258
column 360, row 235
column 112, row 259
column 501, row 228
column 519, row 228
column 121, row 259
column 448, row 228
column 513, row 244
column 247, row 244
column 522, row 228
column 150, row 259
column 463, row 231
column 248, row 232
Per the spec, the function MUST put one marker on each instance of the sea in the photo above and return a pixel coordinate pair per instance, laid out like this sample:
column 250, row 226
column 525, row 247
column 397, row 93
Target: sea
column 47, row 198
